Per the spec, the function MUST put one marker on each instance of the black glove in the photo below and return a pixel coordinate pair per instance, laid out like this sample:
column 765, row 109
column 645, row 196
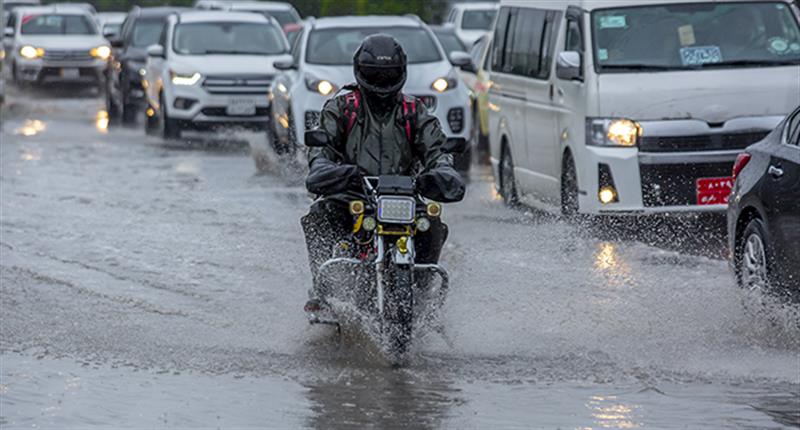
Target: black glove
column 442, row 184
column 326, row 177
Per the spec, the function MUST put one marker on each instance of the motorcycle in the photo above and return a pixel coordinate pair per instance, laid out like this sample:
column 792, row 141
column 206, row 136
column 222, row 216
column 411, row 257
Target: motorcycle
column 375, row 270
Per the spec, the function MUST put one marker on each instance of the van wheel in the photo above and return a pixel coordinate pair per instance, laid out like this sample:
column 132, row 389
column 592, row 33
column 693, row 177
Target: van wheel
column 569, row 188
column 508, row 185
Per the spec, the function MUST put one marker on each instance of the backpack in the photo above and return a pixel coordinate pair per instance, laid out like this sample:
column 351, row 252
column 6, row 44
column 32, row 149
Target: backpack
column 351, row 109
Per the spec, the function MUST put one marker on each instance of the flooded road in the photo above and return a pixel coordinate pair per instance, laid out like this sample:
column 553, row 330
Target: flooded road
column 150, row 285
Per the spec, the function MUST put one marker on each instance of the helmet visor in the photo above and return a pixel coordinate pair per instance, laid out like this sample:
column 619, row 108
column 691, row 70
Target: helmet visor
column 382, row 78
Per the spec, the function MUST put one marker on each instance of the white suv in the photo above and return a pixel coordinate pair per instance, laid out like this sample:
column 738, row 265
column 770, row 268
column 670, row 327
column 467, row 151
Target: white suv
column 472, row 20
column 283, row 12
column 212, row 69
column 55, row 43
column 323, row 63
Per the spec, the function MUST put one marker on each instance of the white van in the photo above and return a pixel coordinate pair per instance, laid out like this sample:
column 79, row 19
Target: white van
column 635, row 107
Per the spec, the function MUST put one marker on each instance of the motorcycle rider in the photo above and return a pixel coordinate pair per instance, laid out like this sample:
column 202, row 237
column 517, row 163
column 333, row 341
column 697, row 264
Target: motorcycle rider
column 374, row 130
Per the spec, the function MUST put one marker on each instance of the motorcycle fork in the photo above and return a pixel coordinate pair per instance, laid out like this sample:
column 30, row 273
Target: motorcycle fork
column 398, row 258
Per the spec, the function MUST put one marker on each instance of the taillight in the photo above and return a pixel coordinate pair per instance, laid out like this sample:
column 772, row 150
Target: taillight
column 741, row 161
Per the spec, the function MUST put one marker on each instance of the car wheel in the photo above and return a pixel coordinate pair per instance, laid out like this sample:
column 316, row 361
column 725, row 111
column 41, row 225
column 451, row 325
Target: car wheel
column 752, row 259
column 569, row 188
column 508, row 185
column 111, row 107
column 170, row 128
column 129, row 114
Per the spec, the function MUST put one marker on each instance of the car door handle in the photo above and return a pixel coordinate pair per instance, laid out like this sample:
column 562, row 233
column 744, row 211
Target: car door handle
column 775, row 172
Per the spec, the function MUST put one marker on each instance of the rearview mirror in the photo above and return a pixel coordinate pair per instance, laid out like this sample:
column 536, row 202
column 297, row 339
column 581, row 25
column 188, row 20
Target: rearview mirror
column 455, row 145
column 568, row 66
column 317, row 138
column 463, row 61
column 155, row 51
column 109, row 33
column 284, row 64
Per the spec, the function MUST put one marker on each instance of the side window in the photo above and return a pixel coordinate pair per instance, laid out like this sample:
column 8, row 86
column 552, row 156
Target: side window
column 476, row 50
column 12, row 21
column 793, row 129
column 574, row 38
column 499, row 39
column 547, row 45
column 526, row 51
column 296, row 48
column 162, row 39
column 452, row 16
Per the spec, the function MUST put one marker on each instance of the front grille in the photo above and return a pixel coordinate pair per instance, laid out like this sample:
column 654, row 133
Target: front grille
column 706, row 142
column 311, row 120
column 67, row 55
column 238, row 84
column 222, row 111
column 429, row 102
column 676, row 184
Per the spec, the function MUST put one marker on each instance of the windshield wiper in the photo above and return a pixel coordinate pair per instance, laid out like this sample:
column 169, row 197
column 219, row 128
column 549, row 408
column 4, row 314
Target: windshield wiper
column 640, row 67
column 745, row 63
column 223, row 52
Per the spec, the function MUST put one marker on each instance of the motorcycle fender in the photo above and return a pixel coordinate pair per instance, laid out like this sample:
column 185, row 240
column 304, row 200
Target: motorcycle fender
column 404, row 259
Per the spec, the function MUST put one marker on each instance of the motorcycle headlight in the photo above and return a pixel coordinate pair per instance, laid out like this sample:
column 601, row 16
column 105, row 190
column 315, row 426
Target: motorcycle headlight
column 184, row 78
column 399, row 210
column 322, row 86
column 612, row 132
column 101, row 52
column 444, row 84
column 31, row 52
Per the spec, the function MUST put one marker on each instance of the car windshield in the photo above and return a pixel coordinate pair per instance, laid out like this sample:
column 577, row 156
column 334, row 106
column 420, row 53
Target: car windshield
column 478, row 19
column 112, row 28
column 228, row 38
column 57, row 24
column 146, row 32
column 336, row 46
column 696, row 35
column 282, row 16
column 450, row 42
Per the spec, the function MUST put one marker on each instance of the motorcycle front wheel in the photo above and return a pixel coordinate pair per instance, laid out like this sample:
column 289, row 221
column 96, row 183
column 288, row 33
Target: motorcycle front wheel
column 399, row 313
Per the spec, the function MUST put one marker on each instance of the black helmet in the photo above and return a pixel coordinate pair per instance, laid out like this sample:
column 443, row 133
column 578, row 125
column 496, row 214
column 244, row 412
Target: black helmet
column 380, row 65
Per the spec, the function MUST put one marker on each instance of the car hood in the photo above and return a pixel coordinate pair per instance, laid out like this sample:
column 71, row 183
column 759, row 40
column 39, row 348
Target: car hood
column 225, row 64
column 136, row 54
column 62, row 42
column 420, row 76
column 714, row 96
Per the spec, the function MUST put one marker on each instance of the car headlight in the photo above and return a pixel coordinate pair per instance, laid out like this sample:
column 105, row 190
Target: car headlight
column 612, row 132
column 2, row 54
column 184, row 78
column 443, row 84
column 322, row 86
column 101, row 52
column 31, row 52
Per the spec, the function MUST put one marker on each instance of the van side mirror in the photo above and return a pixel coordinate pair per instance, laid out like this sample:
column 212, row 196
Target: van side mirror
column 155, row 51
column 463, row 61
column 455, row 145
column 9, row 32
column 317, row 138
column 569, row 67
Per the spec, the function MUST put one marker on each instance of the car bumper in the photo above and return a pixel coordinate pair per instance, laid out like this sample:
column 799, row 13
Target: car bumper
column 195, row 108
column 42, row 71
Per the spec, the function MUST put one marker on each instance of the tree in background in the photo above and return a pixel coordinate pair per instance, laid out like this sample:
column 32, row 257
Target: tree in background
column 428, row 10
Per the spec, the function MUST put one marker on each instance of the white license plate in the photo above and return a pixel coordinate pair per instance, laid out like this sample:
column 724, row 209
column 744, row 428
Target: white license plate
column 241, row 107
column 70, row 73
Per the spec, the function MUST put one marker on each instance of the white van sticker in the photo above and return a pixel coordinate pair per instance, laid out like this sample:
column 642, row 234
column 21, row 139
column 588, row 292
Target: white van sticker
column 613, row 21
column 699, row 55
column 602, row 54
column 778, row 46
column 686, row 34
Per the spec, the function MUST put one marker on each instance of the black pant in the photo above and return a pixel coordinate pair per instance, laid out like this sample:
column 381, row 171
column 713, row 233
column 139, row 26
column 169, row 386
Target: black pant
column 329, row 222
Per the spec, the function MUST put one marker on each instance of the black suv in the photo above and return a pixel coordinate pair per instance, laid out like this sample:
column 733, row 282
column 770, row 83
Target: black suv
column 124, row 92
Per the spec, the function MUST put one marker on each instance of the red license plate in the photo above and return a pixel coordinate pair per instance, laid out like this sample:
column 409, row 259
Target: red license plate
column 714, row 191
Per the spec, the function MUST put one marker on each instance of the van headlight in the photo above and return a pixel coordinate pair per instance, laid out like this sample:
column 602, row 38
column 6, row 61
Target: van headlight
column 101, row 52
column 322, row 86
column 612, row 132
column 31, row 52
column 184, row 78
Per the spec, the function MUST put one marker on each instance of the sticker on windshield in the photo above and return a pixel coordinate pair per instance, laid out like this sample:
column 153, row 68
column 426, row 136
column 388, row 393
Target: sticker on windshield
column 699, row 55
column 778, row 46
column 602, row 54
column 613, row 21
column 686, row 34
column 795, row 47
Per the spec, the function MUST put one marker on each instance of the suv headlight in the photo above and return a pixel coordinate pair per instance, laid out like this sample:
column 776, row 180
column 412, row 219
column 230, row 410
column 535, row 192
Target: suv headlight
column 612, row 132
column 444, row 84
column 322, row 86
column 101, row 52
column 184, row 78
column 31, row 52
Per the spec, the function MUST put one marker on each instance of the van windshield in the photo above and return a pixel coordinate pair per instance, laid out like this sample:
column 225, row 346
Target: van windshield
column 694, row 36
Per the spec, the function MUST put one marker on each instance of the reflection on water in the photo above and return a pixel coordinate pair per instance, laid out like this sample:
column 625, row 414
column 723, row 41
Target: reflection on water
column 608, row 412
column 31, row 155
column 613, row 269
column 31, row 127
column 101, row 121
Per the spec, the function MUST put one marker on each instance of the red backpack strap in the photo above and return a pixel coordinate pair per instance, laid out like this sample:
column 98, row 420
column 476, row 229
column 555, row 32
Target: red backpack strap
column 409, row 117
column 353, row 100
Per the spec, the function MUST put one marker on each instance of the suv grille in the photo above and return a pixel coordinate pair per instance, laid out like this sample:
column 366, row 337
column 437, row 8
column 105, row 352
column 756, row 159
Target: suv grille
column 238, row 84
column 707, row 142
column 676, row 184
column 67, row 55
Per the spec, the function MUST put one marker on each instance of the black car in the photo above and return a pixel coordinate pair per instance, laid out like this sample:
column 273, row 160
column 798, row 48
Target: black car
column 124, row 92
column 764, row 212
